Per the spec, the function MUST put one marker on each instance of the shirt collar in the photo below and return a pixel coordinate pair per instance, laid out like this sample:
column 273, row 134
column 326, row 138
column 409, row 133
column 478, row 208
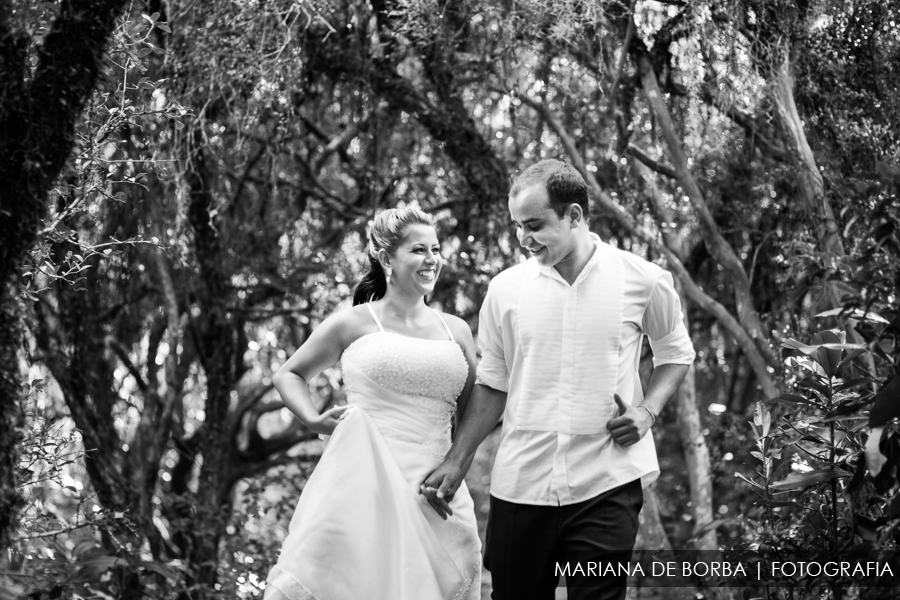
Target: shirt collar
column 536, row 270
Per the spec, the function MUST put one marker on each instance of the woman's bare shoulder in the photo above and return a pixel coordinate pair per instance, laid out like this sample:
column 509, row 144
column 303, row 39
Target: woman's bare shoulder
column 349, row 324
column 460, row 329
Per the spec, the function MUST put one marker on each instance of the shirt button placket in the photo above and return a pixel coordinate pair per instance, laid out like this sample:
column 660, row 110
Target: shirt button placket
column 566, row 391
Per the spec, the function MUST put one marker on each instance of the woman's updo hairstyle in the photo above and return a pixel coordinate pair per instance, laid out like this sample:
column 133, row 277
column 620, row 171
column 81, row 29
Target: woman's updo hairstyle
column 386, row 233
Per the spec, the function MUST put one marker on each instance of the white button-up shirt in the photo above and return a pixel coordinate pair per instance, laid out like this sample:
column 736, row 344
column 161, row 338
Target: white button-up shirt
column 560, row 352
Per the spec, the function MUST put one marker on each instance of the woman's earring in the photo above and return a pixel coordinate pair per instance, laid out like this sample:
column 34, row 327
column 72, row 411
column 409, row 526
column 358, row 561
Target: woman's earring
column 387, row 273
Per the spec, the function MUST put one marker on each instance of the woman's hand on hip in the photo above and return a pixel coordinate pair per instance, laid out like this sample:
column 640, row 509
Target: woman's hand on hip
column 325, row 423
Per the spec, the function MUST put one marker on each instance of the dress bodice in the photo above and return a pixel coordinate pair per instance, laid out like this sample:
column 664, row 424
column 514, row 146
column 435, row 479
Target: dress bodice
column 429, row 373
column 408, row 386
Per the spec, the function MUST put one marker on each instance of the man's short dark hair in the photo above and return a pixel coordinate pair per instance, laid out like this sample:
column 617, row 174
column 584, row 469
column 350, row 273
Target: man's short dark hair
column 564, row 184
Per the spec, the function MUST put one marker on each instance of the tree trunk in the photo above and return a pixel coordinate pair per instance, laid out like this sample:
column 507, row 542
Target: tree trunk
column 37, row 118
column 11, row 416
column 812, row 187
column 220, row 351
column 651, row 534
column 696, row 454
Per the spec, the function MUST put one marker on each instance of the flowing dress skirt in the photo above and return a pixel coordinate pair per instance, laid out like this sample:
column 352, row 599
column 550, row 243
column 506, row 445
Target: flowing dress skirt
column 362, row 531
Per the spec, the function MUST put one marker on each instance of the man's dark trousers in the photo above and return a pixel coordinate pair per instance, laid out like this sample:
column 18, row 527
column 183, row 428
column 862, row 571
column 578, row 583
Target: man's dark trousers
column 528, row 545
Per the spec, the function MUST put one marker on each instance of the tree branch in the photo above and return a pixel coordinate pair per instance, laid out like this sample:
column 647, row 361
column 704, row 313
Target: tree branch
column 254, row 468
column 756, row 136
column 339, row 142
column 718, row 247
column 622, row 57
column 649, row 162
column 244, row 405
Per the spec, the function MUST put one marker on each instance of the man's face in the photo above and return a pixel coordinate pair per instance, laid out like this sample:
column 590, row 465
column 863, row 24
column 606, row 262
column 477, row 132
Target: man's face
column 541, row 232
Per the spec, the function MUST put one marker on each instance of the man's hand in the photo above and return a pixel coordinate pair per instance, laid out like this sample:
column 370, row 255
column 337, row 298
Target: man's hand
column 440, row 487
column 630, row 425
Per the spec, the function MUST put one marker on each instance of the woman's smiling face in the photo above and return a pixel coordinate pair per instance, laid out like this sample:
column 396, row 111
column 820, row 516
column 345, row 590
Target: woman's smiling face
column 417, row 262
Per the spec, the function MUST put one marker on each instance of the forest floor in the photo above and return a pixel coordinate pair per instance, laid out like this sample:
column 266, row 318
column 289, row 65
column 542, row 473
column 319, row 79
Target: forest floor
column 478, row 481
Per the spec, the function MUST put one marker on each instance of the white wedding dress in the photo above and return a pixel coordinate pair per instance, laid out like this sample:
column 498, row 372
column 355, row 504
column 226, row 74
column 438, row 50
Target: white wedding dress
column 361, row 530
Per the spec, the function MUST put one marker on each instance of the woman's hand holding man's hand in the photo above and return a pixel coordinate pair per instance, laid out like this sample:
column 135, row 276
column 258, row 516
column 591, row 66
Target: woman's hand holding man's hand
column 440, row 487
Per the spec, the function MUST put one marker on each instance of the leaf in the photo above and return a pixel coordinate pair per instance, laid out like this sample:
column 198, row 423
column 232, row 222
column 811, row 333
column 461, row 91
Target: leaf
column 850, row 356
column 164, row 27
column 792, row 398
column 856, row 314
column 160, row 569
column 852, row 383
column 812, row 384
column 848, row 416
column 762, row 418
column 750, row 481
column 756, row 432
column 859, row 474
column 91, row 568
column 842, row 346
column 887, row 404
column 795, row 345
column 879, row 351
column 828, row 358
column 797, row 481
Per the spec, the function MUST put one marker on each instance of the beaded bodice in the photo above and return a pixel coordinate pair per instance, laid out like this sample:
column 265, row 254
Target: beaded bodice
column 432, row 369
column 410, row 366
column 386, row 372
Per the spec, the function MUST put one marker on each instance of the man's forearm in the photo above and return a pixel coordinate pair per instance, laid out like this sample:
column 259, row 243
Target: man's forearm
column 485, row 407
column 664, row 382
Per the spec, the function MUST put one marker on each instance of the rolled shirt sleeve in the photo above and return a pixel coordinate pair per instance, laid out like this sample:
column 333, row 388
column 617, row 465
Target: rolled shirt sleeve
column 663, row 322
column 492, row 371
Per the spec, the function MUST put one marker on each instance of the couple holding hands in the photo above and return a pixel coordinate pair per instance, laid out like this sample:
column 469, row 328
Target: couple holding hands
column 386, row 514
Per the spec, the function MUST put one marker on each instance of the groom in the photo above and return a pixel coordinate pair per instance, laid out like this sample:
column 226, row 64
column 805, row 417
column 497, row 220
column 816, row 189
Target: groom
column 560, row 336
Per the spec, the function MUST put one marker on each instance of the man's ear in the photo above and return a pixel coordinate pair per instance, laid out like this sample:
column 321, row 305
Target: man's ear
column 576, row 215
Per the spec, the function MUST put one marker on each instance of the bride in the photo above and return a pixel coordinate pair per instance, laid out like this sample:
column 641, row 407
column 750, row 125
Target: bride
column 362, row 528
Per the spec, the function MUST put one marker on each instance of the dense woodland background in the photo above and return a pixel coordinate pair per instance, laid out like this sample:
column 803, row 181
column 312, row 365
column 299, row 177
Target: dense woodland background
column 184, row 192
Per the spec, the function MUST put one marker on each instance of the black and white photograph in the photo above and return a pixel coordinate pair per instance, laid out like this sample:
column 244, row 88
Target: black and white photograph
column 449, row 300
